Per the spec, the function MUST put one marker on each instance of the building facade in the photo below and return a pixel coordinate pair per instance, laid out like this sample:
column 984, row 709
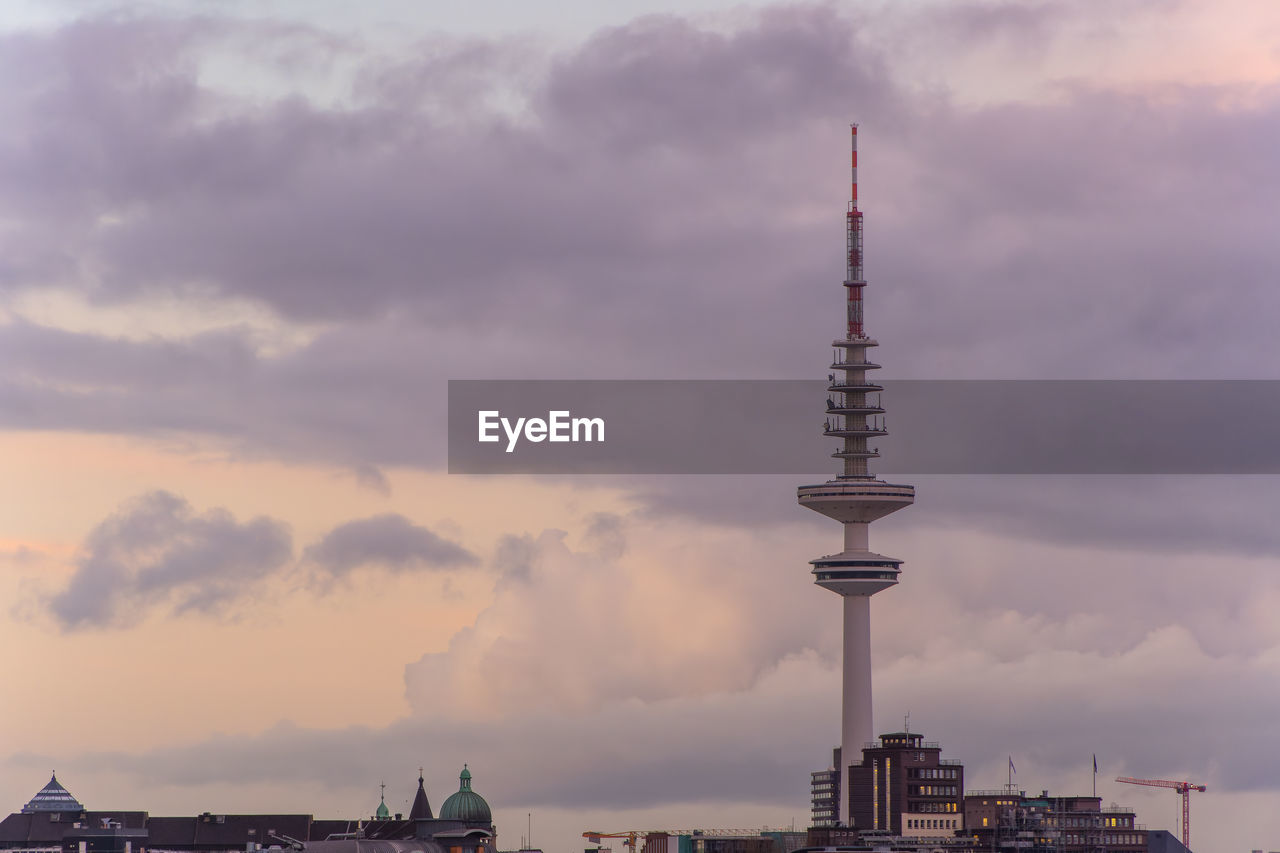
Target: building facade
column 824, row 790
column 1011, row 820
column 905, row 787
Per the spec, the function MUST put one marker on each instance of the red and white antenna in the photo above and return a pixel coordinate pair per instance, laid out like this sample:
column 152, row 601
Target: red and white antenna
column 853, row 244
column 853, row 128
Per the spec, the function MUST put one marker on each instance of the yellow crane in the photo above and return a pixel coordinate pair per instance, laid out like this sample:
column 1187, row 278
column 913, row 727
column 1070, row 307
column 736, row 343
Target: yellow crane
column 630, row 837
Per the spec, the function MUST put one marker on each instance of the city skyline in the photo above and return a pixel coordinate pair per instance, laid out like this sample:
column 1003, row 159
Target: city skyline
column 242, row 252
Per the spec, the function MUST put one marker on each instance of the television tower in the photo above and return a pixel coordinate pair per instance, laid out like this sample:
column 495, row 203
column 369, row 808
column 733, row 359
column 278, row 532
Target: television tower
column 855, row 498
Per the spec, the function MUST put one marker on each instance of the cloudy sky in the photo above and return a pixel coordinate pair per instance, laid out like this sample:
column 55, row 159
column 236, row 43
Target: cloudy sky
column 244, row 245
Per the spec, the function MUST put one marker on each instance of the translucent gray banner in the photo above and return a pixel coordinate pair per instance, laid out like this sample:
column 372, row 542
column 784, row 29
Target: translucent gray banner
column 935, row 427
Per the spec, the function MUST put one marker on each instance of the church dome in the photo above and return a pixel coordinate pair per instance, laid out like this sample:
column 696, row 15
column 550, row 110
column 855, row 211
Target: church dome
column 466, row 804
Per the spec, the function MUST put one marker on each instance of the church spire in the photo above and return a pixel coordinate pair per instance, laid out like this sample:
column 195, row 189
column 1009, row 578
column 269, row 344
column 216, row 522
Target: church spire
column 421, row 808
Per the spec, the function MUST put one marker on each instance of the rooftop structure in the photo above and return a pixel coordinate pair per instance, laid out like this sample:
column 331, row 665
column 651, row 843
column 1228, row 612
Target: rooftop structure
column 52, row 798
column 855, row 498
column 421, row 808
column 384, row 813
column 1013, row 821
column 465, row 804
column 464, row 826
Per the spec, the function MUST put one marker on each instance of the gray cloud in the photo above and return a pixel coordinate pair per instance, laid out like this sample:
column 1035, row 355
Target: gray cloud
column 390, row 541
column 575, row 628
column 706, row 749
column 1223, row 515
column 157, row 551
column 398, row 197
column 514, row 556
column 22, row 556
column 1090, row 672
column 1184, row 515
column 1036, row 215
column 759, row 744
column 639, row 178
column 606, row 533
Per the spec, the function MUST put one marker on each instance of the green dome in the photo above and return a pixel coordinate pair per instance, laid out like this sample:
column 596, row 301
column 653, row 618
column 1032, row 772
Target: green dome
column 383, row 812
column 466, row 804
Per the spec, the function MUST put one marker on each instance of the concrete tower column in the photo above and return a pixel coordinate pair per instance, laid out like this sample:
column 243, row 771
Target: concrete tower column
column 855, row 728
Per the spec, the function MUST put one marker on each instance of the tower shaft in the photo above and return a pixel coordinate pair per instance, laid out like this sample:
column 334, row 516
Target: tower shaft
column 855, row 718
column 855, row 498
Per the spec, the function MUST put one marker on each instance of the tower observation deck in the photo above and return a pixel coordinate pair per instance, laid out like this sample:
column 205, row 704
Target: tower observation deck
column 855, row 498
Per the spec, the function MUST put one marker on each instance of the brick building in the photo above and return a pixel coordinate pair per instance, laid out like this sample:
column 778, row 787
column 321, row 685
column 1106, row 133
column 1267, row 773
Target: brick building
column 904, row 786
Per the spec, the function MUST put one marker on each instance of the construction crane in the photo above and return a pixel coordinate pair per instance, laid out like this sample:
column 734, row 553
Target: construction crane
column 632, row 836
column 1183, row 788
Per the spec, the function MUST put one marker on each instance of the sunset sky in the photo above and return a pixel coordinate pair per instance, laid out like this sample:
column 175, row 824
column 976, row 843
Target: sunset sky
column 244, row 245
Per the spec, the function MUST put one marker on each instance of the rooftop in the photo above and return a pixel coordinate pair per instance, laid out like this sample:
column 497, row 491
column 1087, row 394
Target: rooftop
column 52, row 798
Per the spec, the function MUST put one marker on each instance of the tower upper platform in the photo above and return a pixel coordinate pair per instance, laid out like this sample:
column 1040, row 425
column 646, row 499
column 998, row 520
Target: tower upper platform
column 856, row 501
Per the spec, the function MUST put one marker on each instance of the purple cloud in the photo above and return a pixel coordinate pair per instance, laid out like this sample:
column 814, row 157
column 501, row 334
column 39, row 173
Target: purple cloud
column 389, row 540
column 158, row 552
